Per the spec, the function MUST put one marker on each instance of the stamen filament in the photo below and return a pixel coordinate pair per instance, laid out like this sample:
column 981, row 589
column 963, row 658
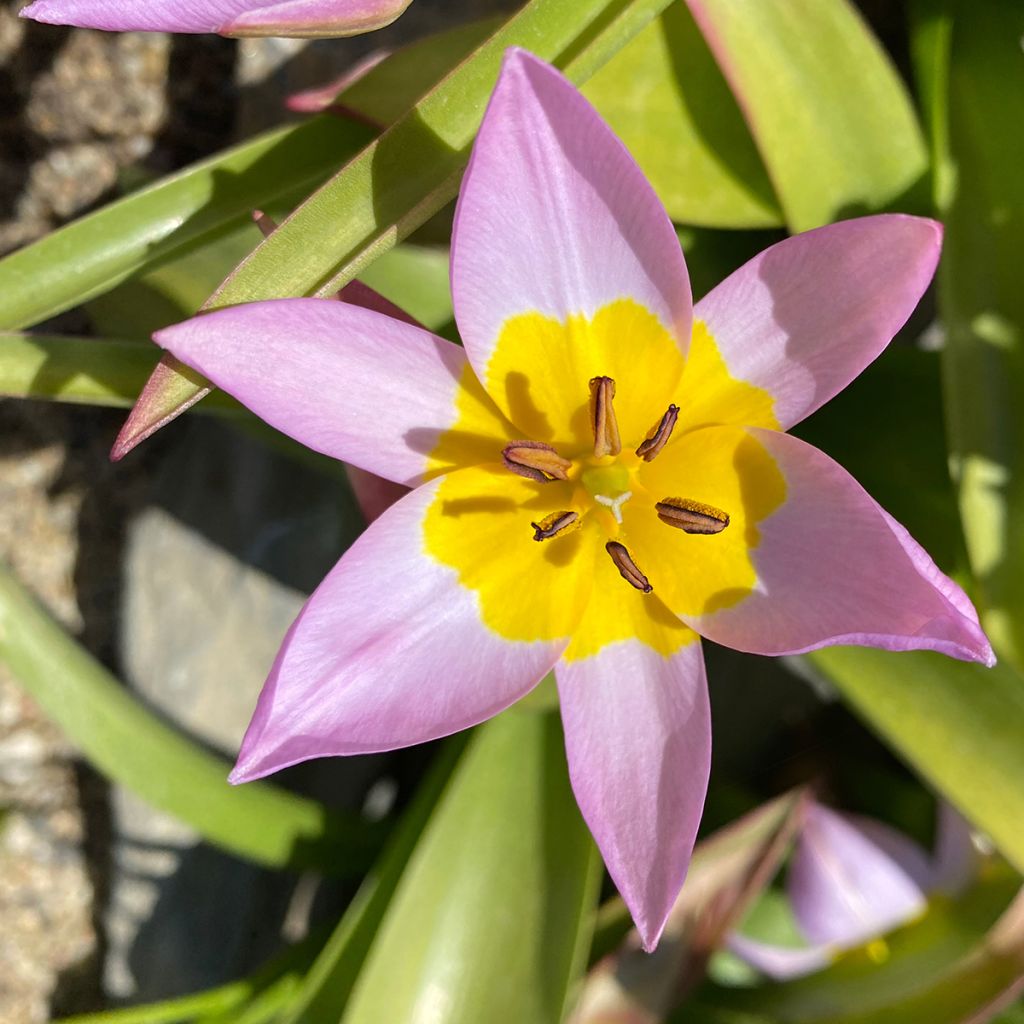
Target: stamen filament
column 691, row 516
column 536, row 461
column 602, row 417
column 659, row 435
column 554, row 524
column 627, row 567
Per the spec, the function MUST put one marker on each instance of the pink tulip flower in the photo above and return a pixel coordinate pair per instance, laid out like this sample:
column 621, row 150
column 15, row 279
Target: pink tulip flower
column 601, row 476
column 853, row 879
column 228, row 17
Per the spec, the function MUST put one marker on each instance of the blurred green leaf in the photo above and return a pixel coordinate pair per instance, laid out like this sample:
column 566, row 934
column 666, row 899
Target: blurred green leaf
column 830, row 116
column 492, row 918
column 666, row 98
column 982, row 301
column 960, row 725
column 127, row 742
column 399, row 180
column 169, row 218
column 957, row 965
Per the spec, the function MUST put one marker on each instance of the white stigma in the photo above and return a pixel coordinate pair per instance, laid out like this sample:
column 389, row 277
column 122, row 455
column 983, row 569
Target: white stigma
column 615, row 504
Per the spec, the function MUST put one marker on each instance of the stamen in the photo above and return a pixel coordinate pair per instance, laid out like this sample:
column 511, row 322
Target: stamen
column 615, row 504
column 602, row 417
column 536, row 461
column 557, row 522
column 691, row 516
column 659, row 435
column 627, row 567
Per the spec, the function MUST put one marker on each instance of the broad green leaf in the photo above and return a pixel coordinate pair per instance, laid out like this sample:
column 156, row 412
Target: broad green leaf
column 728, row 870
column 982, row 301
column 492, row 917
column 829, row 114
column 164, row 220
column 326, row 988
column 400, row 179
column 960, row 725
column 667, row 100
column 957, row 965
column 128, row 743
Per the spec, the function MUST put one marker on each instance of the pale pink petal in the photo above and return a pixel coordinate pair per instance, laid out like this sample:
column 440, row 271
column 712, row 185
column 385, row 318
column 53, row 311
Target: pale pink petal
column 389, row 651
column 340, row 379
column 229, row 17
column 638, row 740
column 833, row 568
column 555, row 216
column 779, row 962
column 803, row 318
column 845, row 887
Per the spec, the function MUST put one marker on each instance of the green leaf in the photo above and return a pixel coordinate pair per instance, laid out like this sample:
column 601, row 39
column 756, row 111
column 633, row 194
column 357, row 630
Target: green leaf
column 982, row 301
column 492, row 917
column 665, row 97
column 400, row 179
column 830, row 116
column 943, row 969
column 167, row 219
column 128, row 743
column 960, row 725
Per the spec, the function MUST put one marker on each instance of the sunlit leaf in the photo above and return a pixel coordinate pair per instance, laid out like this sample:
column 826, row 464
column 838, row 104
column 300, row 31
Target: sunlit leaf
column 830, row 116
column 982, row 302
column 127, row 742
column 492, row 917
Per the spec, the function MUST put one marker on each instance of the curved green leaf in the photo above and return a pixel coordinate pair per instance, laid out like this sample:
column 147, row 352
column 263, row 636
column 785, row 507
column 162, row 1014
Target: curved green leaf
column 833, row 122
column 127, row 742
column 92, row 254
column 493, row 914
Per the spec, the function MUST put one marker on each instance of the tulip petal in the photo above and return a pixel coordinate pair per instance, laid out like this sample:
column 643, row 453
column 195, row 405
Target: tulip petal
column 556, row 220
column 229, row 17
column 833, row 568
column 845, row 886
column 779, row 962
column 956, row 861
column 348, row 382
column 389, row 651
column 638, row 740
column 803, row 318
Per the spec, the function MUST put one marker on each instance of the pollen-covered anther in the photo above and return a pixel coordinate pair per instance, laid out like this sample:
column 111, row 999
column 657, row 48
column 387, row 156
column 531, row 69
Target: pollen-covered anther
column 554, row 524
column 536, row 461
column 627, row 567
column 659, row 435
column 602, row 417
column 691, row 516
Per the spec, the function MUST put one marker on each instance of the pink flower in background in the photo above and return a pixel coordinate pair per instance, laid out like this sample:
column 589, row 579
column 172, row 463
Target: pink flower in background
column 853, row 879
column 601, row 476
column 228, row 17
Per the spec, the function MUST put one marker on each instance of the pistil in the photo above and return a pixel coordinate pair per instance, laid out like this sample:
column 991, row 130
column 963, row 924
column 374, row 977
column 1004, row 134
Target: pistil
column 627, row 567
column 536, row 461
column 554, row 524
column 602, row 417
column 691, row 516
column 659, row 435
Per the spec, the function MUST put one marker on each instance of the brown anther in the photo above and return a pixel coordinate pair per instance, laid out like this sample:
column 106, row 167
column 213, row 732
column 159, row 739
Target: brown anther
column 627, row 567
column 659, row 435
column 554, row 524
column 691, row 516
column 602, row 417
column 536, row 461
